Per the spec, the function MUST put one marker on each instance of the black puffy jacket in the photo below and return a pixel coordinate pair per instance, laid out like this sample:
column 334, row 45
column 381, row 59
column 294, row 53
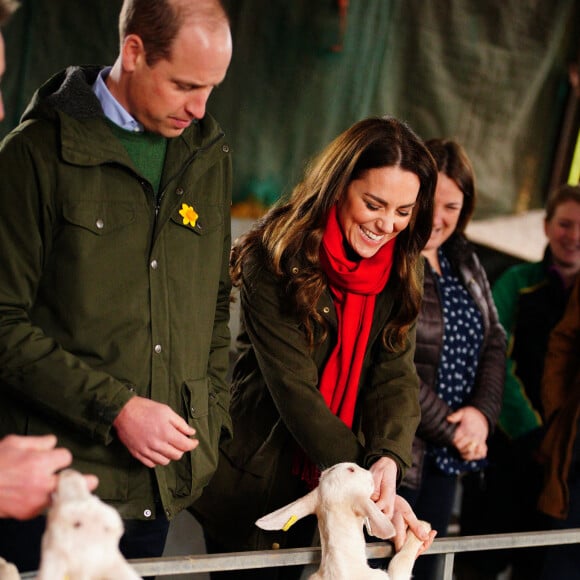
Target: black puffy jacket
column 488, row 389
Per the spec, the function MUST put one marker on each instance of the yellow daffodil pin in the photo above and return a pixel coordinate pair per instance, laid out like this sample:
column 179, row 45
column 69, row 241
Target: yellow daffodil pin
column 188, row 214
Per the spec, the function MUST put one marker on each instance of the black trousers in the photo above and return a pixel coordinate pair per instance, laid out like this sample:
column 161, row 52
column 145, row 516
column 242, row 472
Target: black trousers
column 304, row 538
column 503, row 500
column 20, row 542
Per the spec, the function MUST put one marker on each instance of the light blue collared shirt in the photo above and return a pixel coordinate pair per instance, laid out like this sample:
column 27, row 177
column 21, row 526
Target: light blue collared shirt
column 111, row 107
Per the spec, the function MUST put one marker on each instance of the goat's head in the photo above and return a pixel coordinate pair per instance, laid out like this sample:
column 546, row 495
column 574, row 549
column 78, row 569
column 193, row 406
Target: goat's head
column 344, row 484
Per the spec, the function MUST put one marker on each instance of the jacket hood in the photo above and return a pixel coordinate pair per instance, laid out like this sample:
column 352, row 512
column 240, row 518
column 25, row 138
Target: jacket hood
column 69, row 91
column 85, row 138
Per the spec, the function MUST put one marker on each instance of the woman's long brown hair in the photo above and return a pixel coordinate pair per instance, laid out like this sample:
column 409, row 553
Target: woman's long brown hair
column 292, row 230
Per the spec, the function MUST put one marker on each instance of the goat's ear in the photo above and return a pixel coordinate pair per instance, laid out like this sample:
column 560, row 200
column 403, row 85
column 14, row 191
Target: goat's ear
column 283, row 518
column 71, row 486
column 376, row 522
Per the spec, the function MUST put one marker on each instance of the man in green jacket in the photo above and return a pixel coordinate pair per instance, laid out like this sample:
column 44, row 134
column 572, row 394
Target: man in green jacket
column 114, row 285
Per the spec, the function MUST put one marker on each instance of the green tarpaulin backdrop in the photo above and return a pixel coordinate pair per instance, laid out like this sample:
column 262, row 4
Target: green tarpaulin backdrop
column 490, row 73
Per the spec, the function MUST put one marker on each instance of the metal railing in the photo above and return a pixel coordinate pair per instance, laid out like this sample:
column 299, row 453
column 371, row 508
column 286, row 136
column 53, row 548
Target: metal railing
column 197, row 564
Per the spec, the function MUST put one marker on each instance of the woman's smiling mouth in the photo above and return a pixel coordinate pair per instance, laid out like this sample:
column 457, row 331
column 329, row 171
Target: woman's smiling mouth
column 370, row 235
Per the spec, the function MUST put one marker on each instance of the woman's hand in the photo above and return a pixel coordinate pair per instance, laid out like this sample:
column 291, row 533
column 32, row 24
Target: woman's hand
column 471, row 434
column 404, row 517
column 384, row 472
column 395, row 507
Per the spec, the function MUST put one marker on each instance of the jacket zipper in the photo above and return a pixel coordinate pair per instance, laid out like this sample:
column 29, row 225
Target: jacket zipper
column 187, row 163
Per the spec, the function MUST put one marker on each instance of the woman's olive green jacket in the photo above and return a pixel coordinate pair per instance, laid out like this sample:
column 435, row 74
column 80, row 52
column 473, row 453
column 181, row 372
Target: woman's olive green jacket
column 106, row 293
column 276, row 407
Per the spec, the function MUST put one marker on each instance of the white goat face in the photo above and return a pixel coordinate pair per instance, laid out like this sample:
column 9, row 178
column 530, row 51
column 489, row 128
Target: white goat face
column 82, row 536
column 87, row 522
column 79, row 519
column 345, row 480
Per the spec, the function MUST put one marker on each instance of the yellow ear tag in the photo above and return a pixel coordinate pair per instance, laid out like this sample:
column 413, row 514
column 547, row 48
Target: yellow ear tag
column 291, row 521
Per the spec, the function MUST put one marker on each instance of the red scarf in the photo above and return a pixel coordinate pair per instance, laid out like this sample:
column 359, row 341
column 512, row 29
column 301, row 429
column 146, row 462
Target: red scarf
column 354, row 286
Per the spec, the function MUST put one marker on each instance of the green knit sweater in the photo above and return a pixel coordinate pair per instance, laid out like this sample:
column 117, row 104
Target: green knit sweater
column 147, row 151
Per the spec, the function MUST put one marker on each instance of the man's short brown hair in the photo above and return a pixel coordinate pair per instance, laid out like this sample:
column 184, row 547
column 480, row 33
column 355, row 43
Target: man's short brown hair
column 157, row 22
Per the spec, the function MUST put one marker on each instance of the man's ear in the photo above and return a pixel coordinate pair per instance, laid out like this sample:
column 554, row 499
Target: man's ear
column 132, row 52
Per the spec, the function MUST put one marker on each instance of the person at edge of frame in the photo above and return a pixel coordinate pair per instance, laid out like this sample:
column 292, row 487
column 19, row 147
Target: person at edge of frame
column 114, row 285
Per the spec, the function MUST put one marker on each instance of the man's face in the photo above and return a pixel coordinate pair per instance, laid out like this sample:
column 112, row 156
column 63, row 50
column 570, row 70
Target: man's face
column 167, row 96
column 563, row 233
column 2, row 69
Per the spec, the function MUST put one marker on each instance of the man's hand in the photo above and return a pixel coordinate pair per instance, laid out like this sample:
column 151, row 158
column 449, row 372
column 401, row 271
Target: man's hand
column 28, row 474
column 153, row 433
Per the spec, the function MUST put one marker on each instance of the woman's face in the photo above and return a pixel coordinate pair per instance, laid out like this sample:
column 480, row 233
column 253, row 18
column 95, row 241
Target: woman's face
column 377, row 207
column 447, row 206
column 563, row 233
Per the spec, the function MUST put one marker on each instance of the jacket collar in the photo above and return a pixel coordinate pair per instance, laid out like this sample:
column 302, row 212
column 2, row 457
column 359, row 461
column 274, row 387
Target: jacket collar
column 86, row 139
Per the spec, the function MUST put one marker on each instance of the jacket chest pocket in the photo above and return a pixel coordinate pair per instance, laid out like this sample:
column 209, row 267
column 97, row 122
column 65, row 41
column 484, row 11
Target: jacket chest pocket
column 94, row 238
column 201, row 219
column 98, row 217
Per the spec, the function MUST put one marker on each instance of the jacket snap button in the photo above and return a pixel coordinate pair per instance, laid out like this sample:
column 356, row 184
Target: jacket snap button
column 326, row 310
column 154, row 264
column 158, row 348
column 147, row 513
column 226, row 148
column 295, row 270
column 179, row 191
column 100, row 224
column 275, row 546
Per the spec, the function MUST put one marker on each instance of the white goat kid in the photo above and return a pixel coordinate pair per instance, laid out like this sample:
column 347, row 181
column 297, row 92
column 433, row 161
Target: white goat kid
column 8, row 571
column 342, row 502
column 81, row 541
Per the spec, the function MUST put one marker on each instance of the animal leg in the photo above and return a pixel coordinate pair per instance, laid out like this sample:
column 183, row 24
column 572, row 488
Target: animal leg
column 8, row 571
column 401, row 564
column 52, row 566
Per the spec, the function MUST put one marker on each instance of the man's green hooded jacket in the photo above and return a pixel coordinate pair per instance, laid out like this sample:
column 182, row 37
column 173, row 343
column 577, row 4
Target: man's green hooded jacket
column 108, row 290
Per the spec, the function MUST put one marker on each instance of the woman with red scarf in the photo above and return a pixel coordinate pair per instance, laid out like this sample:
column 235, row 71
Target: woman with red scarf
column 330, row 286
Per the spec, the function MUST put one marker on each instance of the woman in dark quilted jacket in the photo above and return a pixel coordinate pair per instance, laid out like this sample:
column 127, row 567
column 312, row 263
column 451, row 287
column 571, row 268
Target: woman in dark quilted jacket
column 460, row 353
